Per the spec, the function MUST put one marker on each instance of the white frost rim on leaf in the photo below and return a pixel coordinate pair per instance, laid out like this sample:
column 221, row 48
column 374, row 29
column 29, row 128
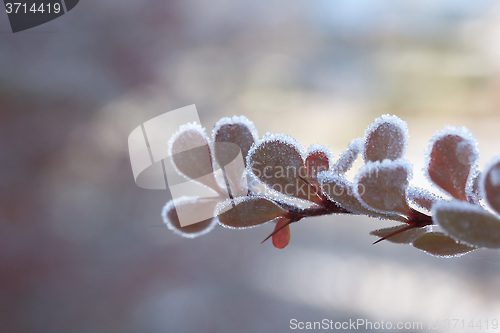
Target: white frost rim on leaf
column 184, row 200
column 391, row 119
column 235, row 120
column 320, row 148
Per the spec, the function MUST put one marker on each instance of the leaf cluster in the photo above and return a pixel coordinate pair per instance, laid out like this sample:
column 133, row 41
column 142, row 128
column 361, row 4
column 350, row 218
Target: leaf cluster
column 274, row 179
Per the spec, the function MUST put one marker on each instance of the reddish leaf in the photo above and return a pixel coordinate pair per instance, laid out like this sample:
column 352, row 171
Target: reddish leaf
column 233, row 138
column 440, row 245
column 491, row 185
column 197, row 224
column 281, row 238
column 453, row 154
column 277, row 161
column 190, row 153
column 248, row 212
column 237, row 130
column 318, row 159
column 386, row 138
column 382, row 186
column 468, row 223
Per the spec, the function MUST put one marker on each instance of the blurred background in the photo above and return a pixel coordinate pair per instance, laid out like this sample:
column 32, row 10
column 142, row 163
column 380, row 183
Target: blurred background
column 83, row 249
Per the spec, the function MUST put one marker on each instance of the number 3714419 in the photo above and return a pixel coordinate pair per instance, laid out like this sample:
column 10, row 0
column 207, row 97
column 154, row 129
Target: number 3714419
column 24, row 8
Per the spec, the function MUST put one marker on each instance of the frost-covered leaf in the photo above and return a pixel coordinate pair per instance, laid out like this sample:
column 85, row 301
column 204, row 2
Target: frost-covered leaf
column 453, row 154
column 318, row 160
column 468, row 223
column 282, row 237
column 194, row 212
column 238, row 130
column 405, row 237
column 422, row 197
column 247, row 212
column 341, row 190
column 191, row 155
column 491, row 184
column 385, row 138
column 440, row 245
column 277, row 161
column 382, row 186
column 347, row 158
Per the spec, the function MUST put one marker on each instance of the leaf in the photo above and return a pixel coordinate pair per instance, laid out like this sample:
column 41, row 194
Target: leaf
column 385, row 138
column 382, row 186
column 237, row 130
column 453, row 154
column 318, row 160
column 340, row 190
column 440, row 245
column 198, row 223
column 191, row 156
column 347, row 158
column 468, row 223
column 405, row 237
column 422, row 197
column 282, row 237
column 248, row 212
column 277, row 161
column 491, row 184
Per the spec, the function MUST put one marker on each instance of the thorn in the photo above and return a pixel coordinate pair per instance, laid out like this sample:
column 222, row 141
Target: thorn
column 395, row 232
column 275, row 231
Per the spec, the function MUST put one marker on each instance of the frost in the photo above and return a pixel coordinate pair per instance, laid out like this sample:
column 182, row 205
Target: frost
column 278, row 162
column 314, row 148
column 422, row 197
column 468, row 223
column 190, row 154
column 348, row 157
column 451, row 160
column 171, row 219
column 490, row 184
column 472, row 188
column 381, row 186
column 385, row 138
column 246, row 212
